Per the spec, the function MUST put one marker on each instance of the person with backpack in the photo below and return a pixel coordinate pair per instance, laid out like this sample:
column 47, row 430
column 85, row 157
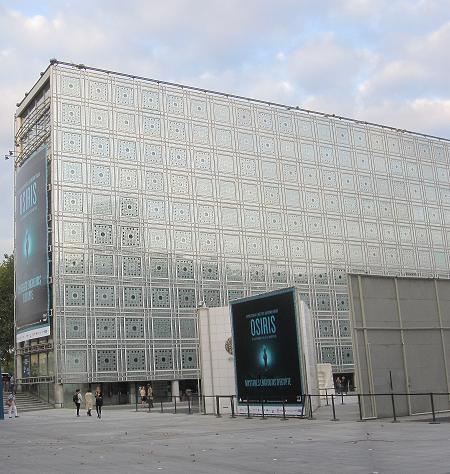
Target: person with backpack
column 98, row 402
column 11, row 403
column 77, row 398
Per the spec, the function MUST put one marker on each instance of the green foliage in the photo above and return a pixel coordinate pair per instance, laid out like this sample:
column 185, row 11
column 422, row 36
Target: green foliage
column 7, row 314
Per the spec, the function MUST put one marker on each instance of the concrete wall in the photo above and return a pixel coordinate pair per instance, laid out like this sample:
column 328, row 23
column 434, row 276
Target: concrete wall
column 401, row 336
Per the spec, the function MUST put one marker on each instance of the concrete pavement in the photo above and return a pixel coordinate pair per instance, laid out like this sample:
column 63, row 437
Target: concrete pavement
column 56, row 441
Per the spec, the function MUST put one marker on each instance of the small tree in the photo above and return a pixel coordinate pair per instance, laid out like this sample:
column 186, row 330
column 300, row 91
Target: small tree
column 7, row 314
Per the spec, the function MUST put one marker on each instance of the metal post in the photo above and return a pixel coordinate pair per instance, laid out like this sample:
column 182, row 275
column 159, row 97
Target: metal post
column 333, row 408
column 284, row 411
column 310, row 407
column 175, row 404
column 393, row 409
column 189, row 406
column 360, row 408
column 136, row 396
column 342, row 398
column 218, row 407
column 326, row 396
column 204, row 404
column 262, row 410
column 248, row 410
column 162, row 409
column 232, row 407
column 2, row 414
column 434, row 422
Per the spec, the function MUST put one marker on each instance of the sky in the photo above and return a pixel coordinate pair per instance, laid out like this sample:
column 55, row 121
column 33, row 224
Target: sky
column 384, row 61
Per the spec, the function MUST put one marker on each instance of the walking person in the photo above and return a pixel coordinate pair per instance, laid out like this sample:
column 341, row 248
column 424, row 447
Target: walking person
column 143, row 395
column 89, row 401
column 98, row 402
column 338, row 385
column 77, row 399
column 11, row 402
column 150, row 396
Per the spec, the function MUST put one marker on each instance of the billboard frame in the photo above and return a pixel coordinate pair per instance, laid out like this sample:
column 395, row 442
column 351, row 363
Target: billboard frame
column 274, row 408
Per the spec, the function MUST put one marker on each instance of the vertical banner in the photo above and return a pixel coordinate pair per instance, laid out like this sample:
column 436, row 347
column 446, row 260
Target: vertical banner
column 266, row 348
column 31, row 247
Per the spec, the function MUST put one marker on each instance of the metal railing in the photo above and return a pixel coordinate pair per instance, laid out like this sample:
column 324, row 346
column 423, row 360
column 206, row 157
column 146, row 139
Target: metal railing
column 348, row 406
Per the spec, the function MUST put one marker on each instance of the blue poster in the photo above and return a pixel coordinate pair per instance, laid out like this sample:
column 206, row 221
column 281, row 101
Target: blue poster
column 266, row 348
column 31, row 242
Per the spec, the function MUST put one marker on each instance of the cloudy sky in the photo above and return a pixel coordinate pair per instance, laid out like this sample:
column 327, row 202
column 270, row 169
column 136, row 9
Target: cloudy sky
column 384, row 61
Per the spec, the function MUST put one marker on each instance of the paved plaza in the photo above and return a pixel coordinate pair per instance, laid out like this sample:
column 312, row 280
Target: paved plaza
column 56, row 441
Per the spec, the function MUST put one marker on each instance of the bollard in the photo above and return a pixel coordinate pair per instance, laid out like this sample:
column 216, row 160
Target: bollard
column 310, row 407
column 262, row 410
column 326, row 396
column 393, row 409
column 333, row 408
column 162, row 410
column 189, row 406
column 284, row 411
column 218, row 407
column 175, row 404
column 232, row 407
column 360, row 408
column 433, row 422
column 136, row 396
column 342, row 398
column 248, row 410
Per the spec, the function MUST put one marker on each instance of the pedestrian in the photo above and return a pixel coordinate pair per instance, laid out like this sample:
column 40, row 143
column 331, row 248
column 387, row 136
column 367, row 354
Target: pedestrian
column 77, row 399
column 12, row 384
column 98, row 402
column 143, row 395
column 344, row 384
column 89, row 401
column 11, row 403
column 150, row 396
column 338, row 385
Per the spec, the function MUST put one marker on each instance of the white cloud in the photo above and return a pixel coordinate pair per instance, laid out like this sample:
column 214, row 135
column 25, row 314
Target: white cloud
column 383, row 61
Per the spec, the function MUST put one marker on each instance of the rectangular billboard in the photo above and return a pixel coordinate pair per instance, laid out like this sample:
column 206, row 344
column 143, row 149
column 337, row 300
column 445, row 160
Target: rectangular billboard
column 31, row 248
column 266, row 348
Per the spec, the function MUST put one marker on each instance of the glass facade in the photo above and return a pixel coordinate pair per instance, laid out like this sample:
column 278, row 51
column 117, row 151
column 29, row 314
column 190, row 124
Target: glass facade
column 166, row 198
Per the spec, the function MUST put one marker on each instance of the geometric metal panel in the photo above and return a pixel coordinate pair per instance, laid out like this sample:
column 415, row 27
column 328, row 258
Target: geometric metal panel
column 188, row 328
column 132, row 266
column 105, row 328
column 102, row 234
column 106, row 360
column 103, row 265
column 75, row 328
column 135, row 359
column 74, row 263
column 132, row 296
column 134, row 328
column 75, row 295
column 104, row 296
column 162, row 328
column 189, row 358
column 101, row 204
column 163, row 359
column 129, row 207
column 131, row 236
column 76, row 361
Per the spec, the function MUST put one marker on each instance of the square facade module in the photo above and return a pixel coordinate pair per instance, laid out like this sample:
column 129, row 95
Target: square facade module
column 163, row 198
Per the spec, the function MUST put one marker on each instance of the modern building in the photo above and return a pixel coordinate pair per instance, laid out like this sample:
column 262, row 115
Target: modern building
column 162, row 198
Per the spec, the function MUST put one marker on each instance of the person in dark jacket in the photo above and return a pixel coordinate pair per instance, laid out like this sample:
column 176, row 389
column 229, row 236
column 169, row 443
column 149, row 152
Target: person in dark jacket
column 98, row 402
